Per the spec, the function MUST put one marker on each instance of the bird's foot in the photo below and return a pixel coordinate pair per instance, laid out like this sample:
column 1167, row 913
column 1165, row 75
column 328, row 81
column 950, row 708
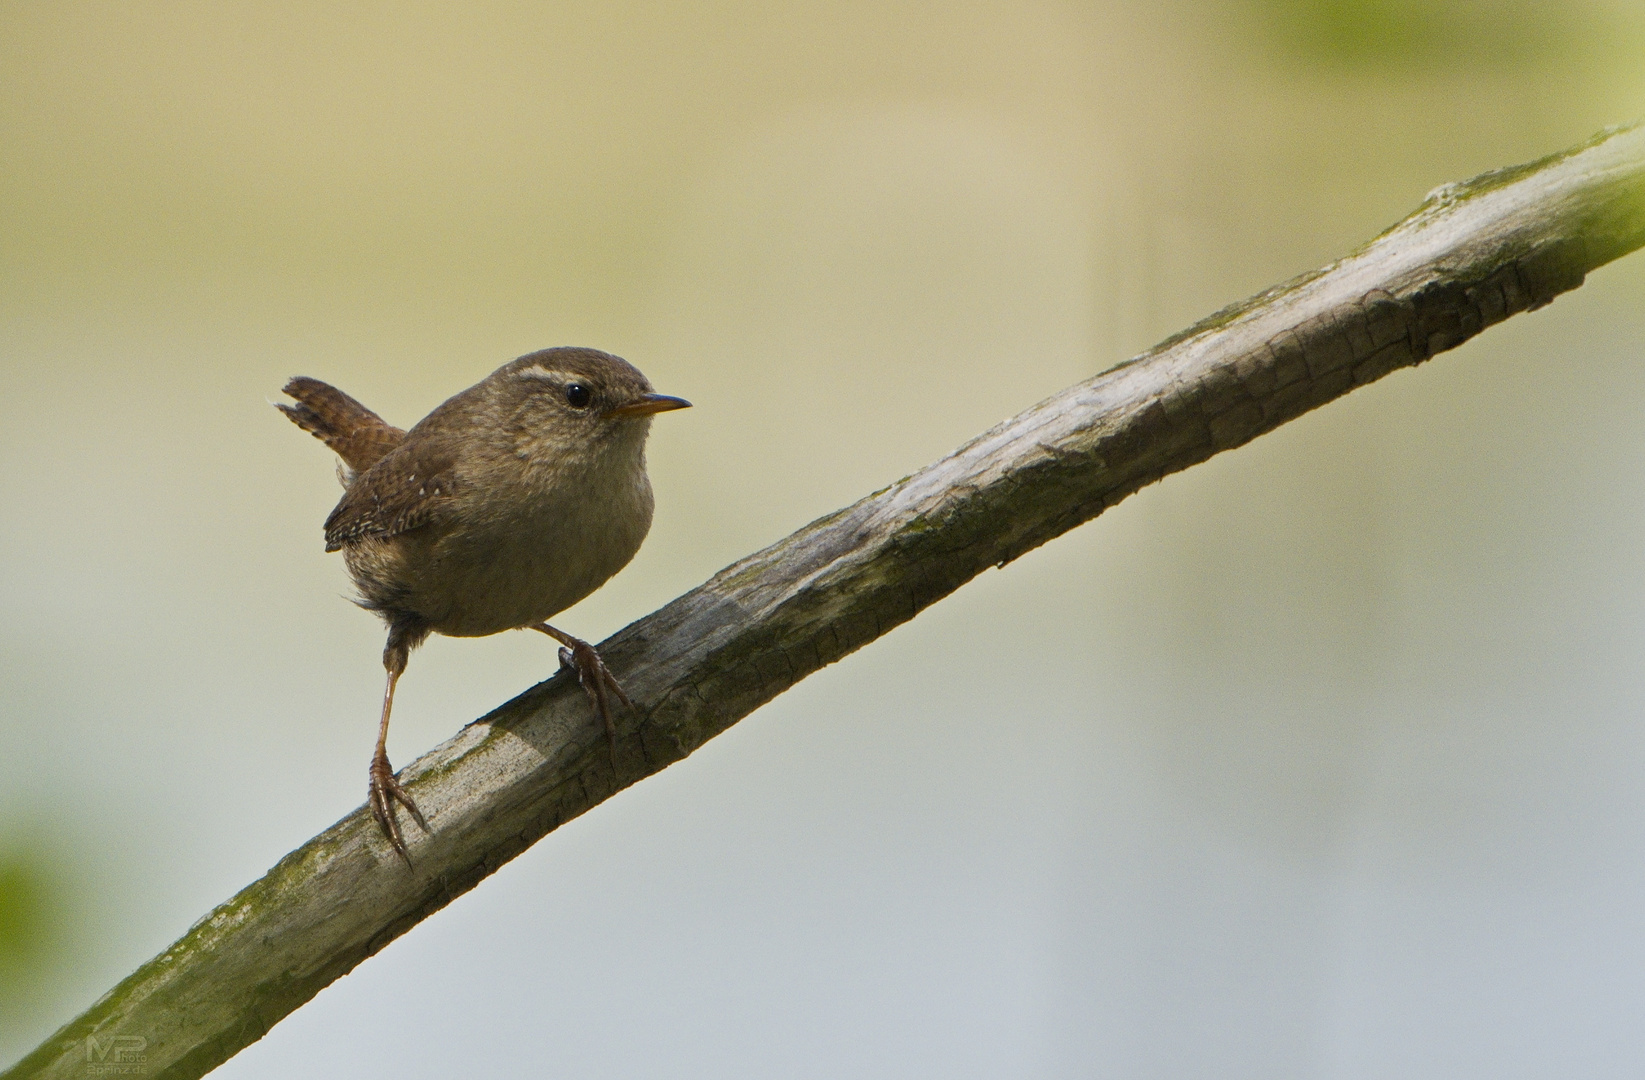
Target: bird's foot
column 383, row 792
column 598, row 683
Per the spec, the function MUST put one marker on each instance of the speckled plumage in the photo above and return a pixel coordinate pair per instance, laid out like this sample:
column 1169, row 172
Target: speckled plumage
column 502, row 507
column 507, row 504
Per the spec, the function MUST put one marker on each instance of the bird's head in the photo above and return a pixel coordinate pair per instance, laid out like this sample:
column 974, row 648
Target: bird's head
column 572, row 403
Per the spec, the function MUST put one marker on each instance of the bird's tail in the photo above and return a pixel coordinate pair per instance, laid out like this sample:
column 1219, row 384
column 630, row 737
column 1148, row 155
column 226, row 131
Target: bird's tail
column 359, row 436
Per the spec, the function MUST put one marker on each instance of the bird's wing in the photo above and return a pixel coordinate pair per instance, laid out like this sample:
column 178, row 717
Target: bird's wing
column 360, row 437
column 411, row 486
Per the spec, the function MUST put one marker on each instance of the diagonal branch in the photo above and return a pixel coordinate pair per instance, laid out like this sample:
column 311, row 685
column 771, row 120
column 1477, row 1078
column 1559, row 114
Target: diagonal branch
column 1472, row 255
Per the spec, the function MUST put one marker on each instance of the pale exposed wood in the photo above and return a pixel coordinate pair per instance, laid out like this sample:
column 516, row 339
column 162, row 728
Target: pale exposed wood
column 1471, row 256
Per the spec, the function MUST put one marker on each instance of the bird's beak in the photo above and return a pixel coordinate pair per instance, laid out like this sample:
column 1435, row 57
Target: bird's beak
column 648, row 404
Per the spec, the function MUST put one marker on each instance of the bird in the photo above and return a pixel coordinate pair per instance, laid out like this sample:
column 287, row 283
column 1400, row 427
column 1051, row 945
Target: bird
column 510, row 502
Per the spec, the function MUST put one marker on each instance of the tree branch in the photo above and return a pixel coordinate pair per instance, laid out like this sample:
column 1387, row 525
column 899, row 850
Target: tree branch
column 1472, row 255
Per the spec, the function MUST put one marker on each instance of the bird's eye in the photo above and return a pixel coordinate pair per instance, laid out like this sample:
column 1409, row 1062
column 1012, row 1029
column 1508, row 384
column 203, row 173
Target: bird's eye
column 577, row 395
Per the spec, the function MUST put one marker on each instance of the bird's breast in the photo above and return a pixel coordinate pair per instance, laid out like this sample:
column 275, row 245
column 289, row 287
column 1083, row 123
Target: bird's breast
column 515, row 562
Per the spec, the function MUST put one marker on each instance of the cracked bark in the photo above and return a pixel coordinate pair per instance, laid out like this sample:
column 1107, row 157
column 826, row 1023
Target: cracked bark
column 1474, row 254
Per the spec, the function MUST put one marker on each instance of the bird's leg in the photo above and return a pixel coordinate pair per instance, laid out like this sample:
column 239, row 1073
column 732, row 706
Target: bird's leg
column 596, row 679
column 383, row 791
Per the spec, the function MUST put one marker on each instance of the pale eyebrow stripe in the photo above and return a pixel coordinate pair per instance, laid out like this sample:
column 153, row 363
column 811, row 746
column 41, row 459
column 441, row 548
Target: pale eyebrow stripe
column 542, row 373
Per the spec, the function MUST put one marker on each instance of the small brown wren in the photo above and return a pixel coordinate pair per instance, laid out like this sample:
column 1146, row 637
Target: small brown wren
column 501, row 508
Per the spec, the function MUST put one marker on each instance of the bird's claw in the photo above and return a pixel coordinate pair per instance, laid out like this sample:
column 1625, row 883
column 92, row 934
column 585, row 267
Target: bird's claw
column 383, row 792
column 598, row 683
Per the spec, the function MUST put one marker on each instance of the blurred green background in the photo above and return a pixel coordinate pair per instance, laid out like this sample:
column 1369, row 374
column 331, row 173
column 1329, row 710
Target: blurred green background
column 1325, row 759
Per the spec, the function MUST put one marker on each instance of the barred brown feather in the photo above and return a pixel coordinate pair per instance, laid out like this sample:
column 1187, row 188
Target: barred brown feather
column 409, row 487
column 359, row 436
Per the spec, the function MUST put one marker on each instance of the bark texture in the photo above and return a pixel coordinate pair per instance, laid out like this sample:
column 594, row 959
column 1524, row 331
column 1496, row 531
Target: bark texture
column 1472, row 255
